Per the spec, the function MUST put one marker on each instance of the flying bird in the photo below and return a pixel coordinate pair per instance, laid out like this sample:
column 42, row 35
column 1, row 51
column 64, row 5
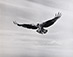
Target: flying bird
column 40, row 27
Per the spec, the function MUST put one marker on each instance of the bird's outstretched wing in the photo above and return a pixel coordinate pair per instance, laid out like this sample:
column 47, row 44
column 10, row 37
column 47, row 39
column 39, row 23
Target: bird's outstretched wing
column 29, row 26
column 52, row 21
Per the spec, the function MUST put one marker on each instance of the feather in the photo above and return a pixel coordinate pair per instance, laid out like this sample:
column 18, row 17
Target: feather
column 29, row 26
column 52, row 21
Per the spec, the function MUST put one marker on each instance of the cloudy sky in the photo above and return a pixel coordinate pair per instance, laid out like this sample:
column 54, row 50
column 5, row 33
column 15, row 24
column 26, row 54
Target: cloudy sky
column 21, row 42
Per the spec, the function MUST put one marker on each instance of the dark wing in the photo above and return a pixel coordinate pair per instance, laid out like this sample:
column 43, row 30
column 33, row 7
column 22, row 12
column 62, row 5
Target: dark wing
column 29, row 26
column 52, row 21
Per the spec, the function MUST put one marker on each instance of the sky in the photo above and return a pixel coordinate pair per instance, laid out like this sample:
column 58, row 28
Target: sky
column 21, row 42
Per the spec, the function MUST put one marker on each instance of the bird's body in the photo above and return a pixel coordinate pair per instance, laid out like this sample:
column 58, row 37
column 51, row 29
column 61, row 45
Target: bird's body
column 42, row 31
column 40, row 27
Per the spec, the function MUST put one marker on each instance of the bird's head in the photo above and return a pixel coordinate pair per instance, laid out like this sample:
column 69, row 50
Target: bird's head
column 38, row 25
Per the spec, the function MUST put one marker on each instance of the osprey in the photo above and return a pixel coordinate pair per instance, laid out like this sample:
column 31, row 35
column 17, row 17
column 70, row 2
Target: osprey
column 40, row 27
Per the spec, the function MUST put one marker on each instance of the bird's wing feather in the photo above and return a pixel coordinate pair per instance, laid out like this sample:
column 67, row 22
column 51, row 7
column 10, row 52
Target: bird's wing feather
column 29, row 26
column 52, row 21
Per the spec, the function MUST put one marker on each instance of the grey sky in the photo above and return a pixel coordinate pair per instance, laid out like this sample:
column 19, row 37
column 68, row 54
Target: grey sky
column 21, row 42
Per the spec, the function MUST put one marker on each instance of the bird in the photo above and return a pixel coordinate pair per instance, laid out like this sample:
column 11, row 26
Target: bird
column 39, row 27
